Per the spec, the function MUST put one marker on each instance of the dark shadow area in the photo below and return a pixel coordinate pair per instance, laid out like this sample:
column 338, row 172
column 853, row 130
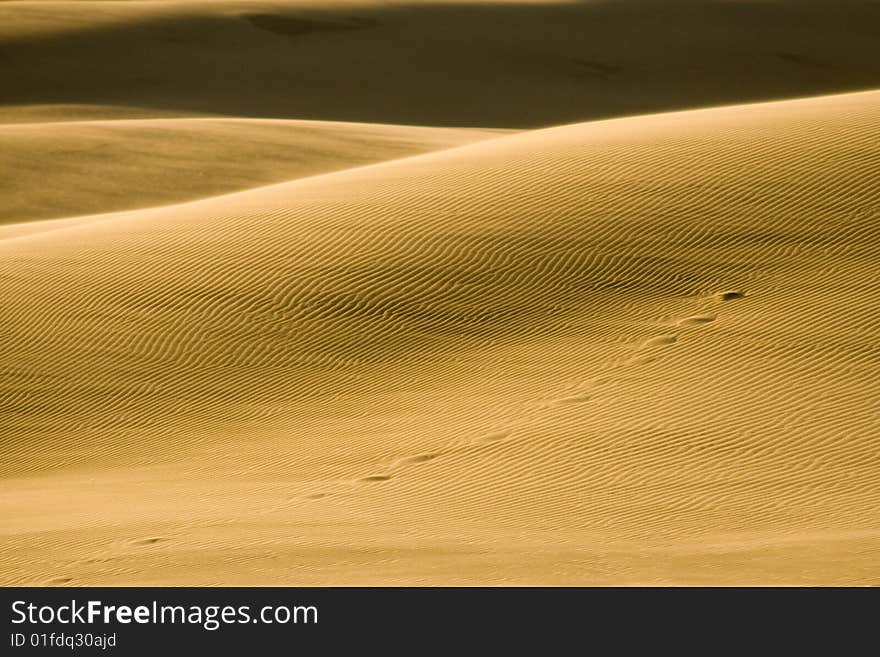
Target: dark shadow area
column 495, row 65
column 293, row 27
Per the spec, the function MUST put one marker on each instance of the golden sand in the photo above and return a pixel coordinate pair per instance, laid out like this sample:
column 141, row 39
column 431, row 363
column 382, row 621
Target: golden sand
column 629, row 351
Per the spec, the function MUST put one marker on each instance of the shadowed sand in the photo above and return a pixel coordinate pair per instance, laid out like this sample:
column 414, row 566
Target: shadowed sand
column 63, row 169
column 457, row 63
column 634, row 351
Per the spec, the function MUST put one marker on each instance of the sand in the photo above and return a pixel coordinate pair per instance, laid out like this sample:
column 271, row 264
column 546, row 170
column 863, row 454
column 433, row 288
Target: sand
column 631, row 351
column 103, row 166
column 464, row 63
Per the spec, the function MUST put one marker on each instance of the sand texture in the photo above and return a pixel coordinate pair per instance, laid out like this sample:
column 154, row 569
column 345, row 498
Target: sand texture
column 347, row 317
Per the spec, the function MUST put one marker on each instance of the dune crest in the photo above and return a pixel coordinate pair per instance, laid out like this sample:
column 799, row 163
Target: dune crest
column 63, row 169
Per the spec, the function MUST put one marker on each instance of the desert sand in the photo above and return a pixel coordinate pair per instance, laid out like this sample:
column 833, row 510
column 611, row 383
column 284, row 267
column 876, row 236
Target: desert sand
column 471, row 293
column 102, row 166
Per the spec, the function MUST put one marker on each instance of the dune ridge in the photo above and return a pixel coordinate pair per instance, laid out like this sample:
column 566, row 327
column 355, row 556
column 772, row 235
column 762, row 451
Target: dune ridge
column 618, row 352
column 105, row 166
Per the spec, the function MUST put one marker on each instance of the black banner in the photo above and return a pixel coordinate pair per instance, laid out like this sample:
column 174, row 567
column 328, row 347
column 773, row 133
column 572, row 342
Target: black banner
column 133, row 621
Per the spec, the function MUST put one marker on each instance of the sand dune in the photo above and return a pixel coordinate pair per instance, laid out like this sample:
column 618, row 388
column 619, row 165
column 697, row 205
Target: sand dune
column 499, row 64
column 62, row 169
column 635, row 351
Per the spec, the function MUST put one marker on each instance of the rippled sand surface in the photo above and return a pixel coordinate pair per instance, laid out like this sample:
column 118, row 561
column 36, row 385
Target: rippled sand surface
column 311, row 322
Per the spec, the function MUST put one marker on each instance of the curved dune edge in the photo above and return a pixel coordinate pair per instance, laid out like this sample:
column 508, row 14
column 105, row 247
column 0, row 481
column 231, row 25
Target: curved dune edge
column 632, row 351
column 75, row 168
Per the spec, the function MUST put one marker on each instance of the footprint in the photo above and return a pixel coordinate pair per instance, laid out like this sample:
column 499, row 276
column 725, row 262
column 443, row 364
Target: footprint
column 492, row 437
column 573, row 399
column 418, row 458
column 729, row 295
column 660, row 341
column 696, row 320
column 374, row 478
column 94, row 560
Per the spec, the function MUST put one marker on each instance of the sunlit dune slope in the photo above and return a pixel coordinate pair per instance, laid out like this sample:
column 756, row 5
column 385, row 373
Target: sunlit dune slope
column 500, row 64
column 632, row 351
column 53, row 170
